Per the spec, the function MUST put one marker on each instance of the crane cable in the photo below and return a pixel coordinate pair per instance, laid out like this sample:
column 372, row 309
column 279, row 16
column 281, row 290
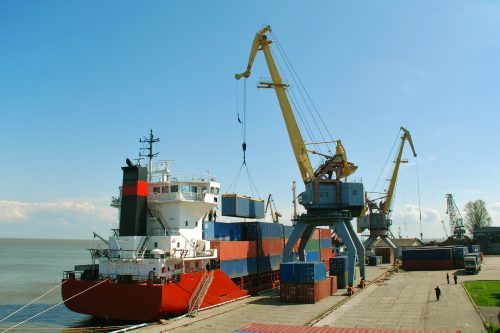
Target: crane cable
column 244, row 144
column 53, row 306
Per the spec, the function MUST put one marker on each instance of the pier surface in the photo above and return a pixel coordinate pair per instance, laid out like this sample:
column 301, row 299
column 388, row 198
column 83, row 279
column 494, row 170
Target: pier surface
column 391, row 300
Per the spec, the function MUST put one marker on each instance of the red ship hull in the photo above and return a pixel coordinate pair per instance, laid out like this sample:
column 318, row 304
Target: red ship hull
column 145, row 302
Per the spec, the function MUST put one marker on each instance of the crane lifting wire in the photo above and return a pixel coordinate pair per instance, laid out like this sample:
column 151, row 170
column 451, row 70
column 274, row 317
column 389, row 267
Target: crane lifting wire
column 243, row 123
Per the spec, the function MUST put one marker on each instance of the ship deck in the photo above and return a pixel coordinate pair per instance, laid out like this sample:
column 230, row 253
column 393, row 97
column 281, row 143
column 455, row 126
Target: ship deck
column 391, row 300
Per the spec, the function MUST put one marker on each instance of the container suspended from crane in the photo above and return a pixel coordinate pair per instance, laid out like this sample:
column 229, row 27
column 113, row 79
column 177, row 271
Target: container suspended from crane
column 378, row 220
column 328, row 200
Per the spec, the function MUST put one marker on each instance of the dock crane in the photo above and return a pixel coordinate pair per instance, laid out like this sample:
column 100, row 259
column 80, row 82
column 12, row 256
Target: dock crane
column 378, row 220
column 456, row 220
column 328, row 200
column 272, row 209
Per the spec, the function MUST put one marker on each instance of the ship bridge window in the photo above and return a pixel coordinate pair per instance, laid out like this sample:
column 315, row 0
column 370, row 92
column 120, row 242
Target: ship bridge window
column 156, row 189
column 174, row 188
column 164, row 189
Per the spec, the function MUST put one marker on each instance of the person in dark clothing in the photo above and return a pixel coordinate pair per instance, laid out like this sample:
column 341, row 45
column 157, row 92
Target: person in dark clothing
column 215, row 216
column 438, row 292
column 455, row 278
column 210, row 216
column 448, row 278
column 207, row 266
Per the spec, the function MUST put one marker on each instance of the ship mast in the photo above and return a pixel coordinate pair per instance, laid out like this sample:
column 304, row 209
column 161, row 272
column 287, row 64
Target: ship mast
column 149, row 150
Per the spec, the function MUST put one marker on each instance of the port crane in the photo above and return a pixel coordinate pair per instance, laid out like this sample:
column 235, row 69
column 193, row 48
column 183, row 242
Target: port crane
column 378, row 220
column 328, row 200
column 271, row 207
column 456, row 220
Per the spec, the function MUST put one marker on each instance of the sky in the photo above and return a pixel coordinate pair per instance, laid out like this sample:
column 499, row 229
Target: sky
column 82, row 81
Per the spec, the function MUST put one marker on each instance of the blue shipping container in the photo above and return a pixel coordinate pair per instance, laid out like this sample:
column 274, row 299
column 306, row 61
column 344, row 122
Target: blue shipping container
column 312, row 256
column 428, row 253
column 221, row 231
column 459, row 252
column 338, row 265
column 269, row 263
column 261, row 230
column 302, row 272
column 241, row 267
column 325, row 243
column 240, row 206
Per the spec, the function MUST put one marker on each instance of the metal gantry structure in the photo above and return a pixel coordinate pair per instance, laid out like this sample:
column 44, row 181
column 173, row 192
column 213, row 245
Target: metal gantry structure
column 327, row 200
column 377, row 214
column 456, row 220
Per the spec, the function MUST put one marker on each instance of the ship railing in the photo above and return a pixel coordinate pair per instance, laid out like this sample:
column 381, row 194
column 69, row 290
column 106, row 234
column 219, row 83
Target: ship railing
column 135, row 254
column 176, row 196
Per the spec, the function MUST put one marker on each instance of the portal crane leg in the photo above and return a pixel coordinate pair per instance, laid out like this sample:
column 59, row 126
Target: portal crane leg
column 359, row 248
column 304, row 229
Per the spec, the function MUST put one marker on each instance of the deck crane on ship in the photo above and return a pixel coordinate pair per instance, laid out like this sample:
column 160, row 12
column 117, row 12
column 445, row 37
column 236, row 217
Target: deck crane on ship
column 378, row 220
column 328, row 200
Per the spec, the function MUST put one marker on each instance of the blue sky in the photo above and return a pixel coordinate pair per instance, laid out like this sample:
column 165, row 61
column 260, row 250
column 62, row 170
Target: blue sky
column 82, row 81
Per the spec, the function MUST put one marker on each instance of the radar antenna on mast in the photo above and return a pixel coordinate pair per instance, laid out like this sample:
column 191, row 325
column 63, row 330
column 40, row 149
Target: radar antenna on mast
column 149, row 150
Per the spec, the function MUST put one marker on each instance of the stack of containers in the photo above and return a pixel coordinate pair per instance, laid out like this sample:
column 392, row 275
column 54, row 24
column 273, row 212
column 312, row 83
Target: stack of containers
column 438, row 258
column 246, row 248
column 386, row 253
column 304, row 282
column 339, row 267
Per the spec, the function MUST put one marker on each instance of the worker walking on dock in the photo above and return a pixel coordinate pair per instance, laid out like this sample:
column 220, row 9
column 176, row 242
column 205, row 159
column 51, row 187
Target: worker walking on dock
column 448, row 278
column 438, row 292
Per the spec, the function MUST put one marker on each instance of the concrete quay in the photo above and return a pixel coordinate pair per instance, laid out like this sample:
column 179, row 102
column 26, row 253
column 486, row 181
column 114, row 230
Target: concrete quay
column 391, row 300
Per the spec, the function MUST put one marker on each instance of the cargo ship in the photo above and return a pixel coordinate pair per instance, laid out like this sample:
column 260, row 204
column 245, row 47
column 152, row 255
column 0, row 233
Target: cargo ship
column 168, row 257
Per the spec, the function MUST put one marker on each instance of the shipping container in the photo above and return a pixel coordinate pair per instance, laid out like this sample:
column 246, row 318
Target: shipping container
column 325, row 234
column 458, row 263
column 333, row 284
column 241, row 267
column 222, row 231
column 427, row 264
column 386, row 253
column 435, row 253
column 269, row 263
column 326, row 254
column 474, row 248
column 312, row 256
column 339, row 265
column 242, row 206
column 312, row 245
column 227, row 250
column 325, row 243
column 271, row 247
column 261, row 230
column 302, row 272
column 341, row 280
column 459, row 252
column 315, row 234
column 374, row 260
column 308, row 293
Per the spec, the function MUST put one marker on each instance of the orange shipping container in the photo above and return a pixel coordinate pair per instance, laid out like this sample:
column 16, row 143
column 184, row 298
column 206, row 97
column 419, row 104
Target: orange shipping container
column 233, row 250
column 272, row 247
column 315, row 234
column 325, row 254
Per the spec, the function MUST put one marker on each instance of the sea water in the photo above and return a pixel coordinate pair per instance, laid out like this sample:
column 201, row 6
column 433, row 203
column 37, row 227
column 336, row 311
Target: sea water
column 30, row 268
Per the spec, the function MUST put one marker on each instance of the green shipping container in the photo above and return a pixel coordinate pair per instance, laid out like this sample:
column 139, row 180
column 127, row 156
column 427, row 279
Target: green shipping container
column 312, row 245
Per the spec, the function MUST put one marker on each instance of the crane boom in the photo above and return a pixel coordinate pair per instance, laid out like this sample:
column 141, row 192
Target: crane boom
column 261, row 43
column 386, row 206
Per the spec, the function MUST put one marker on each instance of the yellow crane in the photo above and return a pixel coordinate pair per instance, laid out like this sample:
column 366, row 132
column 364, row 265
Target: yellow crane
column 338, row 161
column 378, row 220
column 327, row 199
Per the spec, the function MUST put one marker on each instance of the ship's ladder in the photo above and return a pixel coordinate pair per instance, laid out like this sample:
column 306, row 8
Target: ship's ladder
column 159, row 217
column 144, row 246
column 199, row 293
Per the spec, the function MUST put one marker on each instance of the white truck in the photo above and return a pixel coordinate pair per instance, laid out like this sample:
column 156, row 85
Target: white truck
column 472, row 263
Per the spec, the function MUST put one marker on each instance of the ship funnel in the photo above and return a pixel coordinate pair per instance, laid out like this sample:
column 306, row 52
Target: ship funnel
column 133, row 213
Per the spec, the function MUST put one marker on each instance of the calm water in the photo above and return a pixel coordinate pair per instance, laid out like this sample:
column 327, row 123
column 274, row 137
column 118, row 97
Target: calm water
column 31, row 267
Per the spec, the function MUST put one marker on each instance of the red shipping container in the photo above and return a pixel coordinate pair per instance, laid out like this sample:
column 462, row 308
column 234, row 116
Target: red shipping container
column 233, row 250
column 272, row 247
column 325, row 254
column 333, row 286
column 424, row 265
column 325, row 233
